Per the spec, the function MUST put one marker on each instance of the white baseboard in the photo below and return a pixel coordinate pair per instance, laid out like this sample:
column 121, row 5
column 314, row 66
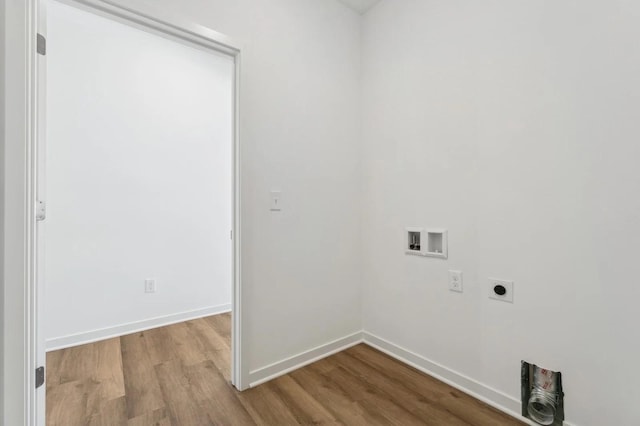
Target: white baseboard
column 484, row 393
column 285, row 366
column 132, row 327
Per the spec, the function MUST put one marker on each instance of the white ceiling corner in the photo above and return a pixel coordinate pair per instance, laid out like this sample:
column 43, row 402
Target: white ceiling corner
column 360, row 6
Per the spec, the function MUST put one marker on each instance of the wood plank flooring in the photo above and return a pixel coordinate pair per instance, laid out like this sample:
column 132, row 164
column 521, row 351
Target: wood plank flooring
column 179, row 375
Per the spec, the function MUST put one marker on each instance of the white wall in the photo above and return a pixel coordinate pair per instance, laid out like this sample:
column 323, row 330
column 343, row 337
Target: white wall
column 300, row 133
column 139, row 176
column 514, row 125
column 2, row 102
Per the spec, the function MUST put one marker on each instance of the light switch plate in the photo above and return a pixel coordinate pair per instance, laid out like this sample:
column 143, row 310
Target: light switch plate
column 276, row 201
column 455, row 281
column 496, row 286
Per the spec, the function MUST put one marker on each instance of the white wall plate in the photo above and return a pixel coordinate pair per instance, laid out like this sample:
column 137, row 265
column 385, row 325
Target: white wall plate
column 455, row 281
column 501, row 290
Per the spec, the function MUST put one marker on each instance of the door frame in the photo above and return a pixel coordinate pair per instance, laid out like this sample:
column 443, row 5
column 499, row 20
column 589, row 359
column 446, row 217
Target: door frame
column 21, row 152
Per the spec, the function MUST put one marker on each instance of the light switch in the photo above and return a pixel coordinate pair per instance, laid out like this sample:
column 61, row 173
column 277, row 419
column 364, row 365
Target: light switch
column 276, row 201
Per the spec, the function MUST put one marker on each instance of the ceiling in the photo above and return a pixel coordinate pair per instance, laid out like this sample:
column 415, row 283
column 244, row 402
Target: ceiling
column 360, row 6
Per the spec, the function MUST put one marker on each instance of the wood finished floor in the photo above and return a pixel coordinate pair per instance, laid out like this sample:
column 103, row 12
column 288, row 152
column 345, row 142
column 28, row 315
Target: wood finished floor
column 179, row 375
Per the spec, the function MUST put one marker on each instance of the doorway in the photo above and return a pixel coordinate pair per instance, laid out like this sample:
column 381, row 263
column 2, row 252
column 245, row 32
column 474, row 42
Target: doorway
column 137, row 181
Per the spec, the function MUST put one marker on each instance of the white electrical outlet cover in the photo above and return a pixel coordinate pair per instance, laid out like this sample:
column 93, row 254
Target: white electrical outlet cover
column 508, row 290
column 455, row 281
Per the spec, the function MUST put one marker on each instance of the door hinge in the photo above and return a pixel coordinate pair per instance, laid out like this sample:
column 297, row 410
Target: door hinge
column 42, row 45
column 231, row 234
column 41, row 212
column 39, row 377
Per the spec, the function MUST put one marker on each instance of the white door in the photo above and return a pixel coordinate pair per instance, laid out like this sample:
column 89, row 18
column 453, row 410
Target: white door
column 39, row 344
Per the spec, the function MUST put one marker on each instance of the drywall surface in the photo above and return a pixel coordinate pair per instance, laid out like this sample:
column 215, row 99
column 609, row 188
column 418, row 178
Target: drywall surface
column 138, row 175
column 2, row 107
column 300, row 131
column 514, row 125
